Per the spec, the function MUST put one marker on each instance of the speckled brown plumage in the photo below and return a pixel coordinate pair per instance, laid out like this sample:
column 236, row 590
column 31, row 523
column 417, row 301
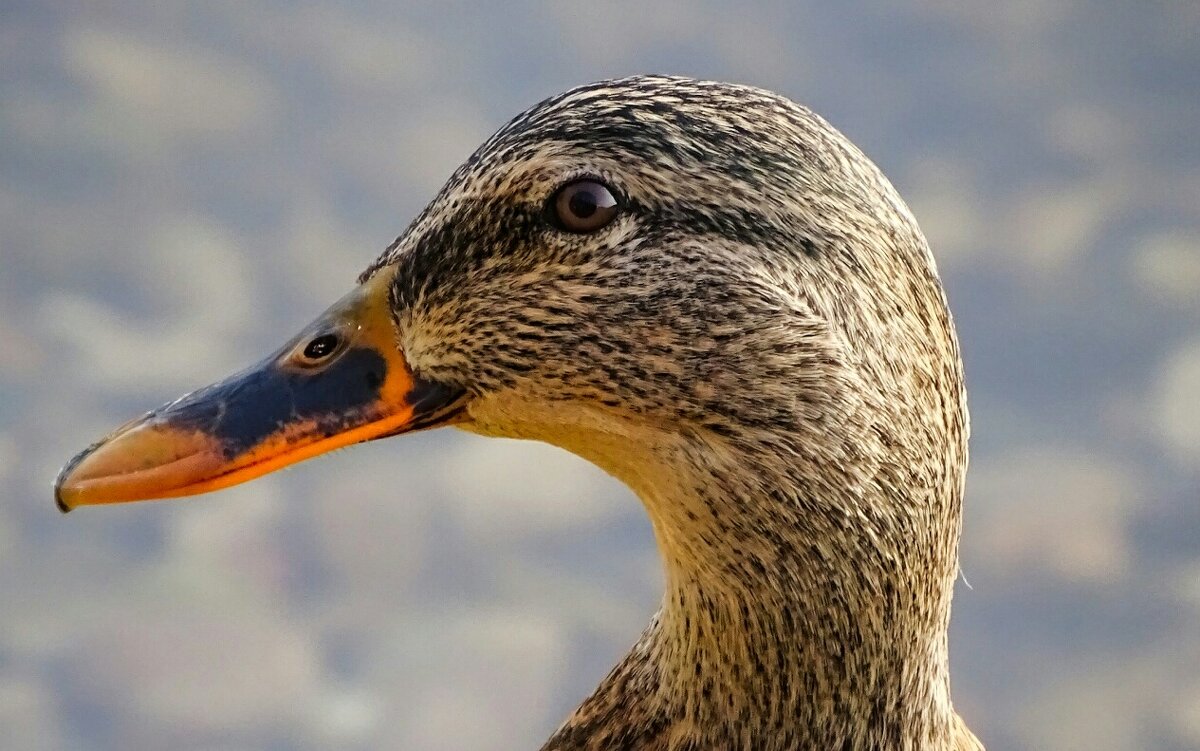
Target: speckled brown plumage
column 759, row 346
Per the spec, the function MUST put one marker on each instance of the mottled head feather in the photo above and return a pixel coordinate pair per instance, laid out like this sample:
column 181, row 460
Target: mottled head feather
column 760, row 347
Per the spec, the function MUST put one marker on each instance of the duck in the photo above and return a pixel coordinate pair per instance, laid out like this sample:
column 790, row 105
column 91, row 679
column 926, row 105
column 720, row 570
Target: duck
column 709, row 292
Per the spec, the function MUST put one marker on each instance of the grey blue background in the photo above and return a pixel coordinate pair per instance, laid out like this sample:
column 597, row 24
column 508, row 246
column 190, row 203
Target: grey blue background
column 184, row 185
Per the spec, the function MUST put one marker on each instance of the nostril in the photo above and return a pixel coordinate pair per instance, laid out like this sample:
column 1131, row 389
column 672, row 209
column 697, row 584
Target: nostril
column 321, row 347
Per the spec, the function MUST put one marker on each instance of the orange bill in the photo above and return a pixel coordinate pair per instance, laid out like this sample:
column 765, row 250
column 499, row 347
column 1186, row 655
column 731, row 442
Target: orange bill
column 343, row 380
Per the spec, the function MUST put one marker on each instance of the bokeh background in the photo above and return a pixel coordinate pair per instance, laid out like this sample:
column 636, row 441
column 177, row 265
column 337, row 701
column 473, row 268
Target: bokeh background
column 183, row 185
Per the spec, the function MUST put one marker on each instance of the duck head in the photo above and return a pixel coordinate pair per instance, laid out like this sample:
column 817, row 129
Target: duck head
column 709, row 292
column 680, row 281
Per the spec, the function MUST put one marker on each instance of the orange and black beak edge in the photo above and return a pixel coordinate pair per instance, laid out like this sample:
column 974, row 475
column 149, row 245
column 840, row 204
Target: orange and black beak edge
column 285, row 409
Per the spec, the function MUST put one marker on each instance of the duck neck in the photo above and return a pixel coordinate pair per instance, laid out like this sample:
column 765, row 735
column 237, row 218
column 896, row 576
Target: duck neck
column 796, row 615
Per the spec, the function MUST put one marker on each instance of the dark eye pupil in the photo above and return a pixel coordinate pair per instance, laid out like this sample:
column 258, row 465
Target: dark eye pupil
column 321, row 347
column 583, row 206
column 583, row 203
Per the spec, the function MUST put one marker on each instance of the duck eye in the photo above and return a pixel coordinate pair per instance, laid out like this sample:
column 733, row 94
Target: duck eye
column 320, row 348
column 583, row 206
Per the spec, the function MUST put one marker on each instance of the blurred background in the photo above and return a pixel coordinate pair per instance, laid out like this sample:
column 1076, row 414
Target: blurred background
column 184, row 185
